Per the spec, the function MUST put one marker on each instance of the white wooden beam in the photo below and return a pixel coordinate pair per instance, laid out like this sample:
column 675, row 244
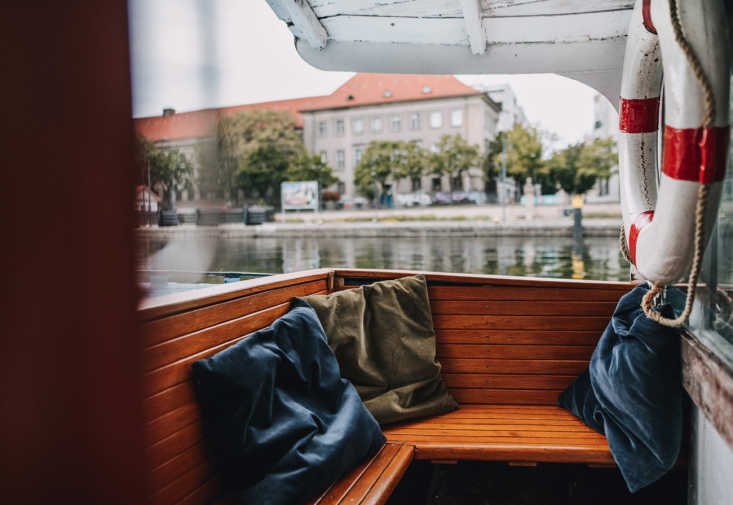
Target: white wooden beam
column 305, row 22
column 472, row 19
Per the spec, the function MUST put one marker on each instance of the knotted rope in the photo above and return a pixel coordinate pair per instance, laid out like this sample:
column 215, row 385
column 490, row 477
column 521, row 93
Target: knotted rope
column 702, row 193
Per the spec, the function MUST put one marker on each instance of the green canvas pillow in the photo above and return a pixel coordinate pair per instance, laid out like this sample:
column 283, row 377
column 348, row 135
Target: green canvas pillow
column 382, row 335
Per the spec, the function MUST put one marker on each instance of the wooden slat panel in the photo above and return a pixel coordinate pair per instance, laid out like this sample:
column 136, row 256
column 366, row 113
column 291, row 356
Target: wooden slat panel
column 174, row 444
column 161, row 354
column 529, row 293
column 523, row 308
column 517, row 337
column 153, row 308
column 167, row 472
column 170, row 422
column 167, row 400
column 507, row 396
column 507, row 381
column 179, row 371
column 513, row 366
column 361, row 488
column 182, row 486
column 574, row 352
column 205, row 493
column 387, row 482
column 588, row 323
column 159, row 330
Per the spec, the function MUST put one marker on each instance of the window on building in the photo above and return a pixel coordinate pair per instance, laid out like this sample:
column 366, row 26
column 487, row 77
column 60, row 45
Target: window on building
column 341, row 187
column 324, row 156
column 340, row 158
column 597, row 125
column 357, row 156
column 457, row 183
column 456, row 117
column 357, row 126
column 435, row 148
column 322, row 130
column 339, row 127
column 396, row 123
column 415, row 121
column 437, row 184
column 603, row 186
column 436, row 119
column 377, row 124
column 416, row 184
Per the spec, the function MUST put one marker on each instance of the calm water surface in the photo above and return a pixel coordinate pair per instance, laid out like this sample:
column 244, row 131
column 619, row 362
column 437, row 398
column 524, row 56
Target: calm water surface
column 592, row 258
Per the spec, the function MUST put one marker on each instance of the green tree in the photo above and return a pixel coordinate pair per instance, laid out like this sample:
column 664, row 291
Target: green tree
column 524, row 151
column 577, row 167
column 414, row 161
column 170, row 170
column 454, row 157
column 309, row 167
column 491, row 163
column 251, row 152
column 382, row 160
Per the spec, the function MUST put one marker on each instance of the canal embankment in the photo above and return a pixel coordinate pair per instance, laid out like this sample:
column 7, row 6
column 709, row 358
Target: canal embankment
column 596, row 227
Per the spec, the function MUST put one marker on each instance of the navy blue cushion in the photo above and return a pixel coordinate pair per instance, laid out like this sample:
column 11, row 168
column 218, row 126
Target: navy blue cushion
column 632, row 391
column 280, row 420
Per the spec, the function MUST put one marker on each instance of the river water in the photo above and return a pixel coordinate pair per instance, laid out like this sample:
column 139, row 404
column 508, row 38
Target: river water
column 592, row 258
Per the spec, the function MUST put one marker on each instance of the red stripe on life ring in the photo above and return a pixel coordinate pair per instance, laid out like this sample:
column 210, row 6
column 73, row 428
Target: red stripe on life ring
column 637, row 225
column 639, row 115
column 696, row 154
column 646, row 16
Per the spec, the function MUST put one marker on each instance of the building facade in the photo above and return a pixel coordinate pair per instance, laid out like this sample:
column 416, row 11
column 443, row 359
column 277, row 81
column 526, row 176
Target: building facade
column 605, row 125
column 511, row 112
column 410, row 108
column 339, row 126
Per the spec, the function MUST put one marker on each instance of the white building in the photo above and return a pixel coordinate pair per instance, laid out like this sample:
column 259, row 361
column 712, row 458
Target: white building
column 605, row 125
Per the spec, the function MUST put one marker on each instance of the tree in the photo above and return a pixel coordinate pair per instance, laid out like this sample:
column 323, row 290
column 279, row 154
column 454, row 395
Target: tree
column 577, row 167
column 170, row 170
column 414, row 161
column 382, row 160
column 311, row 168
column 251, row 152
column 454, row 157
column 491, row 163
column 524, row 152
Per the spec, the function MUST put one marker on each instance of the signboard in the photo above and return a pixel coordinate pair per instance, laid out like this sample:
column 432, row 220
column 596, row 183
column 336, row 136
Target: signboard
column 302, row 195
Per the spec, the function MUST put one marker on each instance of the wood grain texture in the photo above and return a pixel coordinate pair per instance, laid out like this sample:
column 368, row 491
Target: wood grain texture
column 504, row 433
column 507, row 347
column 173, row 326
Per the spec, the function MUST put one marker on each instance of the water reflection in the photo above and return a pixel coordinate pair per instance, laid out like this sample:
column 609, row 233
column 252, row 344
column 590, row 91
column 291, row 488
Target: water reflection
column 592, row 258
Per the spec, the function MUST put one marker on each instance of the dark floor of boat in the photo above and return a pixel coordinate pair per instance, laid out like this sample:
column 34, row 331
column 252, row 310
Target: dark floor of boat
column 489, row 483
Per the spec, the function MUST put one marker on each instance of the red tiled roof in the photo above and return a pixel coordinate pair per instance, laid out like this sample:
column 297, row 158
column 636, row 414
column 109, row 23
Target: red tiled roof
column 369, row 89
column 199, row 123
column 364, row 89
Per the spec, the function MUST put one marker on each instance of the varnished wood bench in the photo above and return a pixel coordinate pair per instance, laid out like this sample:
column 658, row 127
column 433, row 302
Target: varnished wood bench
column 508, row 347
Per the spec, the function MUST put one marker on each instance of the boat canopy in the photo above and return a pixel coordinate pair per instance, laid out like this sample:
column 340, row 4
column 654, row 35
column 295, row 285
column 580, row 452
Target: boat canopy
column 581, row 39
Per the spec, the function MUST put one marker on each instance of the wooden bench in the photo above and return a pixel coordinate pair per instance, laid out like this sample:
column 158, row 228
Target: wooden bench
column 508, row 347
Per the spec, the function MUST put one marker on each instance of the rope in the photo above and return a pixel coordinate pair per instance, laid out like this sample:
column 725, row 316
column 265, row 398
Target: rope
column 702, row 193
column 623, row 244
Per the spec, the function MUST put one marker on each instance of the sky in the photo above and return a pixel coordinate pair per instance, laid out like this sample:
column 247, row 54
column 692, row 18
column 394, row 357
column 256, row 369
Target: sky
column 195, row 54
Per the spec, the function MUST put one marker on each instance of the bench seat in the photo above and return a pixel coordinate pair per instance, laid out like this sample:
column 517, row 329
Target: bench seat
column 372, row 482
column 514, row 433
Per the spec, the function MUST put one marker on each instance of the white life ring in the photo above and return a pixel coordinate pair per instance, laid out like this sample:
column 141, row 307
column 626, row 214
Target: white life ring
column 660, row 223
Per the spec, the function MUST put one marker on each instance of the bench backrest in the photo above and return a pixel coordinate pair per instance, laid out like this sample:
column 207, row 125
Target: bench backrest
column 178, row 330
column 510, row 340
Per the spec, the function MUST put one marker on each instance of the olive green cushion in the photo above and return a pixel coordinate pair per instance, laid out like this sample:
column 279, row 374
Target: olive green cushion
column 382, row 335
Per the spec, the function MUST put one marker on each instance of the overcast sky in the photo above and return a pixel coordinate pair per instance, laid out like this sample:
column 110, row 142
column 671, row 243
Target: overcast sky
column 194, row 54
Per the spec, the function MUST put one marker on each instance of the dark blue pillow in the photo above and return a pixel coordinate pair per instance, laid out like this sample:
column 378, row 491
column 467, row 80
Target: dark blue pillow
column 632, row 391
column 280, row 420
